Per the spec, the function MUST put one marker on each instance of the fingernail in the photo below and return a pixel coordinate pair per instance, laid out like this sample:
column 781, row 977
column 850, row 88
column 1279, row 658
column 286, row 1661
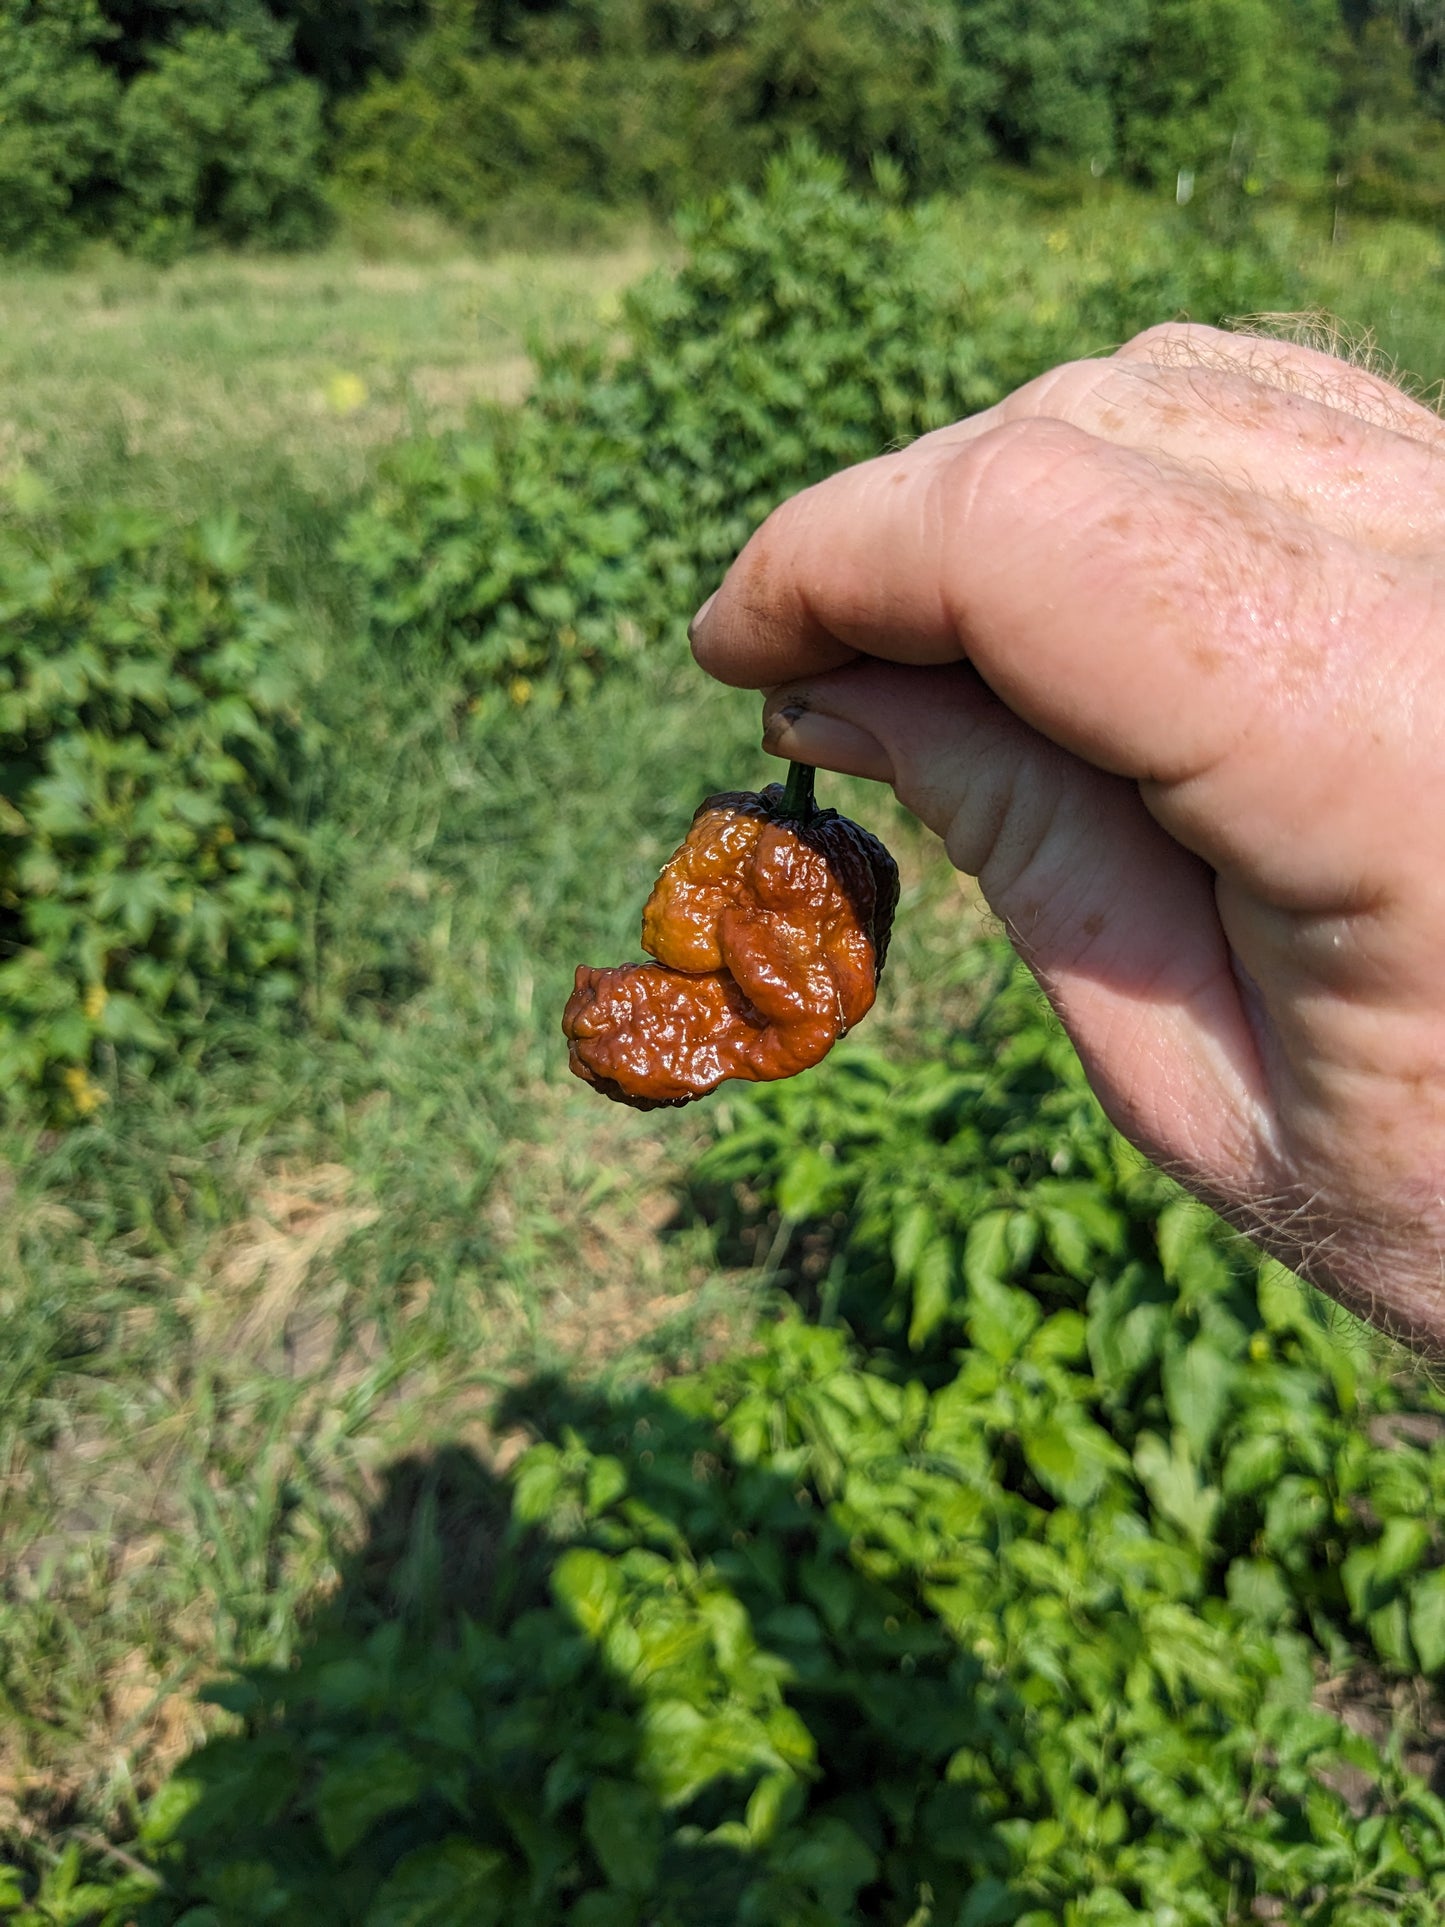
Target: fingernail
column 805, row 736
column 701, row 617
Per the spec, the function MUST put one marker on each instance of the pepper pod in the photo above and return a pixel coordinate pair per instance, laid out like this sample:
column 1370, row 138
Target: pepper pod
column 769, row 926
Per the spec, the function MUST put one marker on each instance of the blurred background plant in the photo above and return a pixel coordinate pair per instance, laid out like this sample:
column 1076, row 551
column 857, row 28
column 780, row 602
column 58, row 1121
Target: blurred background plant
column 165, row 125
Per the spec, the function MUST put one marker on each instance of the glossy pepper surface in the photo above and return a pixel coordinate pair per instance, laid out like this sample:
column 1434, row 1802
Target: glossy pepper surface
column 770, row 927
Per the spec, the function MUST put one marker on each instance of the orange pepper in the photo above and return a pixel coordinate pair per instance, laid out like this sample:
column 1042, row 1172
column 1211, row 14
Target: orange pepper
column 770, row 927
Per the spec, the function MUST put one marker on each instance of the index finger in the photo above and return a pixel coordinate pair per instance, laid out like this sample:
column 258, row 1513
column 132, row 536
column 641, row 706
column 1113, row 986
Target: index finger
column 1152, row 620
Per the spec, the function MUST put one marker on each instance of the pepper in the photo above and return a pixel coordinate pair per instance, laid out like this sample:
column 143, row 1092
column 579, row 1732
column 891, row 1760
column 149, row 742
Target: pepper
column 770, row 928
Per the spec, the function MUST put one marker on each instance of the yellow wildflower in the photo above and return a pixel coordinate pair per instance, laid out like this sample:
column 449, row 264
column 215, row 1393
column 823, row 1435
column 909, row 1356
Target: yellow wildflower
column 345, row 394
column 85, row 1094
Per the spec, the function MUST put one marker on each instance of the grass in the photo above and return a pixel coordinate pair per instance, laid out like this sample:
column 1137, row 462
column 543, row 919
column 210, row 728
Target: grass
column 241, row 1294
column 169, row 383
column 270, row 383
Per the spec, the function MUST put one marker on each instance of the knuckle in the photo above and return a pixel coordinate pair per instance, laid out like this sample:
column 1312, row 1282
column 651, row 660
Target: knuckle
column 1174, row 341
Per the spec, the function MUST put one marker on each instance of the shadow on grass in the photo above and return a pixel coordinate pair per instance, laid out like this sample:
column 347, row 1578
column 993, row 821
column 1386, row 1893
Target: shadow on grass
column 685, row 1705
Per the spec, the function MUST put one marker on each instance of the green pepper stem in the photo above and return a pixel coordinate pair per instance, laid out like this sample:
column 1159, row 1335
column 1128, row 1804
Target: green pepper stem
column 798, row 803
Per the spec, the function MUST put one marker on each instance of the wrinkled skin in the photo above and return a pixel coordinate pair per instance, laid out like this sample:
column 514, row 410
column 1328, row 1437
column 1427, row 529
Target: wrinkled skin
column 769, row 937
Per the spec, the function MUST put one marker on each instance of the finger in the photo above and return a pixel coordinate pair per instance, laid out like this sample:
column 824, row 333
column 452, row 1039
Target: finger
column 1148, row 620
column 1346, row 474
column 1115, row 918
column 1256, row 413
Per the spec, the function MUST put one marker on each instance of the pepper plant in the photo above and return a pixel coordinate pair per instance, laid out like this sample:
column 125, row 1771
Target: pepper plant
column 151, row 749
column 1016, row 1575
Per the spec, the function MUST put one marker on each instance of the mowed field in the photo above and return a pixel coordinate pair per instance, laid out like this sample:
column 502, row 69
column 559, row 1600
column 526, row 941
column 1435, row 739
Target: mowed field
column 241, row 1297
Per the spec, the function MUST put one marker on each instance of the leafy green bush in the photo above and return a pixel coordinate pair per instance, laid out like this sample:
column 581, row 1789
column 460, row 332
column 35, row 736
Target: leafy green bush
column 212, row 139
column 70, row 1895
column 808, row 327
column 1232, row 87
column 57, row 113
column 517, row 562
column 622, row 107
column 799, row 335
column 148, row 742
column 474, row 138
column 1003, row 1594
column 982, row 1197
column 792, row 340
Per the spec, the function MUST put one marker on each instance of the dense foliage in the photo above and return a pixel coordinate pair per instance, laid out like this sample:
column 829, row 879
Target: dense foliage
column 999, row 1589
column 787, row 344
column 807, row 328
column 215, row 135
column 623, row 101
column 163, row 121
column 149, row 859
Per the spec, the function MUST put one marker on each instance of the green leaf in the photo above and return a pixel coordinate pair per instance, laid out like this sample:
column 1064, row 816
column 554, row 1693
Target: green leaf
column 1197, row 1383
column 453, row 1884
column 1403, row 1546
column 932, row 1292
column 807, row 1184
column 1071, row 1457
column 1253, row 1464
column 365, row 1783
column 624, row 1826
column 1427, row 1619
column 606, row 1483
column 1175, row 1484
column 589, row 1586
column 1257, row 1589
column 1371, row 1572
column 986, row 1257
column 1000, row 1318
column 1182, row 1227
column 915, row 1230
column 990, row 1903
column 1128, row 1325
column 1068, row 1241
column 831, row 1860
column 775, row 1801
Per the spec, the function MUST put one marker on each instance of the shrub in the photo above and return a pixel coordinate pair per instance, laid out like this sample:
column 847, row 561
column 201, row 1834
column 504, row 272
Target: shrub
column 472, row 137
column 1000, row 1596
column 799, row 335
column 1231, row 89
column 807, row 328
column 792, row 340
column 574, row 104
column 1054, row 74
column 515, row 562
column 212, row 140
column 148, row 741
column 57, row 111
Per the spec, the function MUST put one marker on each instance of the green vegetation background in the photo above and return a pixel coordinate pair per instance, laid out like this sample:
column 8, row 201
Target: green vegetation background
column 878, row 1499
column 161, row 122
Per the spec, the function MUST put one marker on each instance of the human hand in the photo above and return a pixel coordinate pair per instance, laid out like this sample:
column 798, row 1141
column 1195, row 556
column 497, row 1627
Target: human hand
column 1157, row 646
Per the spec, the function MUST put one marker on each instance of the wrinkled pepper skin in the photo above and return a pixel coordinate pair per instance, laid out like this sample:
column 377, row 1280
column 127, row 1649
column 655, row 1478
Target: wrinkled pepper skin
column 770, row 933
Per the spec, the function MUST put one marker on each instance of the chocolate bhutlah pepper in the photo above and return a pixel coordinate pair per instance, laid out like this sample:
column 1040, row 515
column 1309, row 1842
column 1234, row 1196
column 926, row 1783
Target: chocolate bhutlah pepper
column 769, row 925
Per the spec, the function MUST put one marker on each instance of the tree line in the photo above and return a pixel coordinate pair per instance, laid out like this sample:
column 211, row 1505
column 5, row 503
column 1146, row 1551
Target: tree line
column 162, row 122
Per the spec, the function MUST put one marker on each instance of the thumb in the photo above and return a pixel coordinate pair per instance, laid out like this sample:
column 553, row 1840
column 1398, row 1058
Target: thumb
column 1116, row 920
